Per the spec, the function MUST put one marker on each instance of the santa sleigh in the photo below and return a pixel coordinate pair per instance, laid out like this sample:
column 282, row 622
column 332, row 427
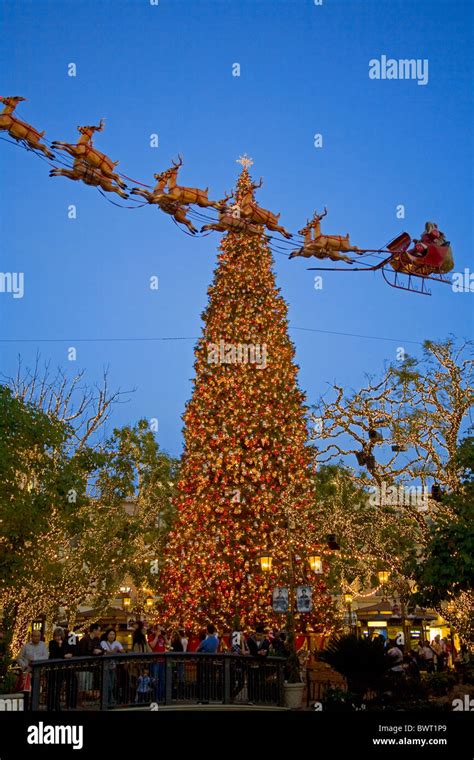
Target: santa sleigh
column 429, row 258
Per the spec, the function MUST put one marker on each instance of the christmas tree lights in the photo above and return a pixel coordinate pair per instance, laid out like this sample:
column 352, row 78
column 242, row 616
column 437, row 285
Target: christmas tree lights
column 245, row 451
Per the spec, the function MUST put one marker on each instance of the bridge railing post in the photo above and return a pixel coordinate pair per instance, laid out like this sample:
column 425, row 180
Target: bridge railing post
column 35, row 687
column 281, row 678
column 104, row 676
column 168, row 679
column 227, row 680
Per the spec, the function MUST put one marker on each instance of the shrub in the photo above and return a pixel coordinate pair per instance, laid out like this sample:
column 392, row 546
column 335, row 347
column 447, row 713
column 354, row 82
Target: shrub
column 8, row 682
column 438, row 684
column 361, row 661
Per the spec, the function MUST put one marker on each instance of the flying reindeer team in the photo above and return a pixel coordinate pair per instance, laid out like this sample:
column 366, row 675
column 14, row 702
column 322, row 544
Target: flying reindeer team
column 431, row 254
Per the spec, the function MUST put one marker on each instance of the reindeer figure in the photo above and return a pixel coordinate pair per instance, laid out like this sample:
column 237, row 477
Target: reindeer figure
column 85, row 150
column 230, row 220
column 250, row 209
column 323, row 246
column 187, row 194
column 20, row 130
column 307, row 232
column 159, row 188
column 164, row 201
column 89, row 175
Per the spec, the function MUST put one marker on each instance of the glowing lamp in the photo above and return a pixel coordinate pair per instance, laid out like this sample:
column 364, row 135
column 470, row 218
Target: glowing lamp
column 126, row 601
column 383, row 576
column 315, row 563
column 266, row 561
column 149, row 601
column 348, row 598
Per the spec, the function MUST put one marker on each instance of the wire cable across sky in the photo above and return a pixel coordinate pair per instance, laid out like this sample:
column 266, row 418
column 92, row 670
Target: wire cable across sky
column 400, row 341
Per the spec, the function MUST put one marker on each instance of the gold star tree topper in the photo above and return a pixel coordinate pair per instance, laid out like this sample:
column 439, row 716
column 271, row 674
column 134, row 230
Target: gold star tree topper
column 245, row 161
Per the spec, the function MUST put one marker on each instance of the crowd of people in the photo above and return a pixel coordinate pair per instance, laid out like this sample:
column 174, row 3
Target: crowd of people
column 147, row 682
column 437, row 656
column 146, row 679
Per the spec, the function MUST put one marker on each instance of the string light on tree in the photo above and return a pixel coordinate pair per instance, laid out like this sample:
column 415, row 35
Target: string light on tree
column 246, row 433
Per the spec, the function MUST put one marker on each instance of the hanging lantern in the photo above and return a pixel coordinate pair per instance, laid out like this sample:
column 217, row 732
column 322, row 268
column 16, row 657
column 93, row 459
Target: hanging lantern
column 149, row 601
column 348, row 598
column 126, row 601
column 266, row 561
column 383, row 576
column 315, row 563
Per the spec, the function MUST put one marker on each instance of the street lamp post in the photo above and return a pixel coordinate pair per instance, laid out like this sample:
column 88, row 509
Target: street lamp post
column 316, row 565
column 407, row 589
column 266, row 563
column 348, row 601
column 266, row 566
column 403, row 592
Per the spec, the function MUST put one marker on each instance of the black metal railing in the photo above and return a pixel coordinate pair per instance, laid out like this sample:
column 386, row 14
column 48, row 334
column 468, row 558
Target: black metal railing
column 133, row 680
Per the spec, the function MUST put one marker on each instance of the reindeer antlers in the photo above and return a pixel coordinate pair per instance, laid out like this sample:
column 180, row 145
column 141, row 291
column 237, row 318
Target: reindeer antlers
column 180, row 161
column 320, row 216
column 92, row 128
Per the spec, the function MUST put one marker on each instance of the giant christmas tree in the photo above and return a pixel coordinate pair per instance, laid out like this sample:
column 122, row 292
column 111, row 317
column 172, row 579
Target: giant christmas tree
column 246, row 474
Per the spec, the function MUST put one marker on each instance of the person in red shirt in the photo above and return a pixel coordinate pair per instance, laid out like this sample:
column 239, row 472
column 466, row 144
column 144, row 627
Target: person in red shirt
column 158, row 643
column 157, row 639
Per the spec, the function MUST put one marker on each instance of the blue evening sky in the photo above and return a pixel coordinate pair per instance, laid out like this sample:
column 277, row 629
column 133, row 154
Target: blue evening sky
column 167, row 69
